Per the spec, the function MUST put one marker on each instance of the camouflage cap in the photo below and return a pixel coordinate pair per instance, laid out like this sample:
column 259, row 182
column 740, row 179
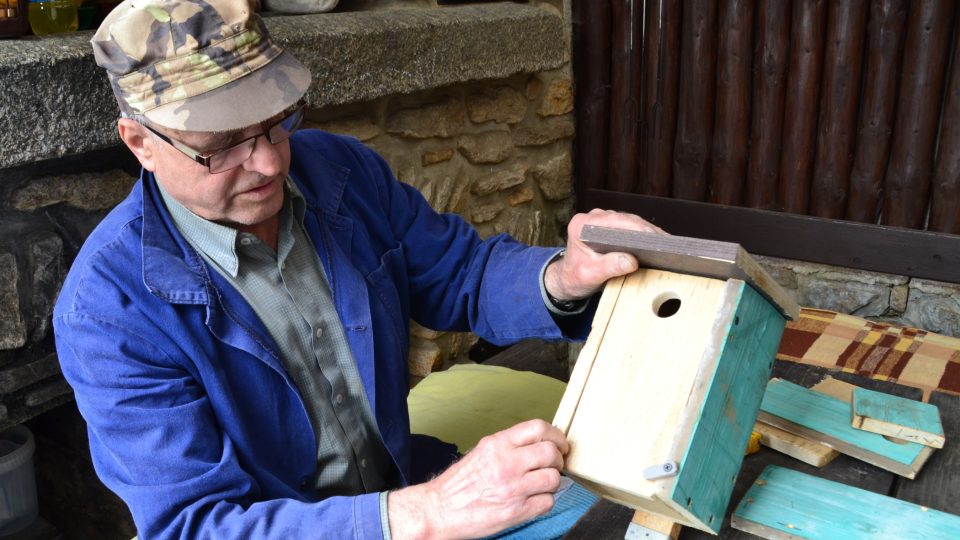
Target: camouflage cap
column 196, row 65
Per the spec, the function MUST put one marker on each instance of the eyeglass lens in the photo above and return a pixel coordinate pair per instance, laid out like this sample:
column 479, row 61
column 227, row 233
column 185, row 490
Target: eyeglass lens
column 237, row 154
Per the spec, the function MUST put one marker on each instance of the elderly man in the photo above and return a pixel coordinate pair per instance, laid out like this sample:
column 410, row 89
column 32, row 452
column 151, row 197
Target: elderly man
column 236, row 329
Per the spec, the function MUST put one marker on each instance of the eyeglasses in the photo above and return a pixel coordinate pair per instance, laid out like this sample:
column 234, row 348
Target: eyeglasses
column 218, row 161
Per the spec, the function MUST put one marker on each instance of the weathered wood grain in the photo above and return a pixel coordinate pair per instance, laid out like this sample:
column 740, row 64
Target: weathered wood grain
column 732, row 126
column 661, row 73
column 769, row 91
column 885, row 37
column 627, row 16
column 695, row 256
column 907, row 183
column 591, row 66
column 839, row 98
column 784, row 503
column 938, row 484
column 802, row 101
column 698, row 78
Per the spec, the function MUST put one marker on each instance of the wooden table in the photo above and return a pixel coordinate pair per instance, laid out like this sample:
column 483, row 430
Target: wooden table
column 937, row 485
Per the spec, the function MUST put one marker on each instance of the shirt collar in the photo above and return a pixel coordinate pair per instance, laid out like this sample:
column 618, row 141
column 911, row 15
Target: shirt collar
column 219, row 242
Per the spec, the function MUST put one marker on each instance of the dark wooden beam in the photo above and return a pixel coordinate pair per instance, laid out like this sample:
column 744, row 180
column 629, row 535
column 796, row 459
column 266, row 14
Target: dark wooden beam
column 876, row 248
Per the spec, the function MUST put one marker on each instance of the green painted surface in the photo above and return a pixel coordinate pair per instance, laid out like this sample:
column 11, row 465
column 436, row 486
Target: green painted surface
column 712, row 459
column 831, row 416
column 897, row 410
column 805, row 506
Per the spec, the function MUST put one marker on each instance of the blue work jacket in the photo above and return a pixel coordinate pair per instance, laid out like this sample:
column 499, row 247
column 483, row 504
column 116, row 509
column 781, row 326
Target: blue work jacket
column 193, row 420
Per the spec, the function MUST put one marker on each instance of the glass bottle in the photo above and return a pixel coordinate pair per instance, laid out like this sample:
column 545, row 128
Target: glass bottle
column 51, row 16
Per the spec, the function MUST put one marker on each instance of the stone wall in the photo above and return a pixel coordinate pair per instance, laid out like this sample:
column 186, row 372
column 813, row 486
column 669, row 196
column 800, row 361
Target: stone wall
column 929, row 305
column 495, row 152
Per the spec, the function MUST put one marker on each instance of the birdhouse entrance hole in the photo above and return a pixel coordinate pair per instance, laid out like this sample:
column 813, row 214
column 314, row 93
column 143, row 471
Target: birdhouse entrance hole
column 666, row 305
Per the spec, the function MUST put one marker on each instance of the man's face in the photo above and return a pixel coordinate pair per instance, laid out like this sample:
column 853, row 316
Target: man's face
column 243, row 196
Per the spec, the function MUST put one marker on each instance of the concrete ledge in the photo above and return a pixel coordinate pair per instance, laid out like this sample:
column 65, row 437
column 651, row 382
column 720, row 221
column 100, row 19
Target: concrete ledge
column 55, row 101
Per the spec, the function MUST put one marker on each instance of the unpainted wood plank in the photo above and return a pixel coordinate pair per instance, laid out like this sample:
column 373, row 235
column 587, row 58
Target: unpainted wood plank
column 820, row 417
column 938, row 484
column 900, row 418
column 641, row 381
column 696, row 256
column 588, row 355
column 835, row 388
column 784, row 503
column 657, row 523
column 806, row 450
column 746, row 335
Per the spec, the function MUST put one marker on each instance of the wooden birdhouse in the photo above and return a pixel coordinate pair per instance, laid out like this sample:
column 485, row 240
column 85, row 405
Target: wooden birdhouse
column 665, row 392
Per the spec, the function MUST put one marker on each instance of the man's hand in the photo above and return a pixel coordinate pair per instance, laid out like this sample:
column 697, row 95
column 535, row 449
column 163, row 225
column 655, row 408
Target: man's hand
column 509, row 478
column 582, row 271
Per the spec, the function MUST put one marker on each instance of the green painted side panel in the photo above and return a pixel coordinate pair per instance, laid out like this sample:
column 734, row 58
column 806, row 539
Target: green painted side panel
column 805, row 506
column 897, row 410
column 830, row 416
column 715, row 452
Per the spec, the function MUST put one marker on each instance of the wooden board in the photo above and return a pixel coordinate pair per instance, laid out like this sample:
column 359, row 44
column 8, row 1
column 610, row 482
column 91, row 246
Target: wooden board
column 900, row 418
column 806, row 450
column 747, row 341
column 816, row 416
column 835, row 388
column 938, row 485
column 784, row 503
column 641, row 370
column 708, row 258
column 654, row 524
column 651, row 387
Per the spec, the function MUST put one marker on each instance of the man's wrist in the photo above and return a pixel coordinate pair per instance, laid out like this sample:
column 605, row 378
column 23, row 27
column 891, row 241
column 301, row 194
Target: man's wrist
column 558, row 306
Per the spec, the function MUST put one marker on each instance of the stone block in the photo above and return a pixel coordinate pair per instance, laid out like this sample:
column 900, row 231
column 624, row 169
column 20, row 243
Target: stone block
column 423, row 332
column 544, row 132
column 558, row 98
column 534, row 87
column 934, row 306
column 555, row 178
column 47, row 271
column 520, row 196
column 25, row 373
column 899, row 296
column 56, row 101
column 48, row 393
column 86, row 191
column 425, row 357
column 502, row 105
column 488, row 148
column 444, row 119
column 499, row 181
column 486, row 212
column 851, row 297
column 13, row 332
column 432, row 157
column 361, row 128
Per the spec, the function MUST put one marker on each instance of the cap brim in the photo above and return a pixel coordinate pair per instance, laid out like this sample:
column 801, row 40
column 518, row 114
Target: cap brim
column 238, row 104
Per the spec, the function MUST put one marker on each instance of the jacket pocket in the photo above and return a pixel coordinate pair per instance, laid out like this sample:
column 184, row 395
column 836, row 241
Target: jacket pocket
column 388, row 283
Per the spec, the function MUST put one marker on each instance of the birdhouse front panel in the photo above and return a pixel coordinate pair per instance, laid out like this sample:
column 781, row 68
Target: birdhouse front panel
column 661, row 403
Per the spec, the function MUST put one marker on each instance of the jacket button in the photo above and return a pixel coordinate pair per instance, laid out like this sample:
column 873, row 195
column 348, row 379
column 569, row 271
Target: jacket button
column 304, row 483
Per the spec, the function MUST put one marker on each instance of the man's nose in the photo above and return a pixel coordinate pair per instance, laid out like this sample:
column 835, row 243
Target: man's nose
column 265, row 158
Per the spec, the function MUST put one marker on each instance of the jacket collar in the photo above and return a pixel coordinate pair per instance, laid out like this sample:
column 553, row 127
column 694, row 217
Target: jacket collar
column 175, row 272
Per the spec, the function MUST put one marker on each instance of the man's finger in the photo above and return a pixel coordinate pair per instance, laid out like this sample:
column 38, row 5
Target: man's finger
column 540, row 455
column 534, row 431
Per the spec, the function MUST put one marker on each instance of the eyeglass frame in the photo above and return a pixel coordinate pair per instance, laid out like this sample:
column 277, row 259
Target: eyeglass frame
column 206, row 158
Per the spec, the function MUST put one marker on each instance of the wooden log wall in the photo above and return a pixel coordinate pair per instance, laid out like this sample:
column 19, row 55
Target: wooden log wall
column 843, row 110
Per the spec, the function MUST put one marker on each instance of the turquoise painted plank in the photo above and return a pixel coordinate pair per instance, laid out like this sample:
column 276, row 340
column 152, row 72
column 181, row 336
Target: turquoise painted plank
column 897, row 410
column 715, row 451
column 831, row 416
column 805, row 506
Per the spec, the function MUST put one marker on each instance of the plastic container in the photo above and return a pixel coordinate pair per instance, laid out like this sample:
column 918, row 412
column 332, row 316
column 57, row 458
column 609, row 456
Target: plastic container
column 52, row 16
column 18, row 487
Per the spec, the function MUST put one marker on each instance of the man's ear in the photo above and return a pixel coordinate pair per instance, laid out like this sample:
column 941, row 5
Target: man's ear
column 139, row 141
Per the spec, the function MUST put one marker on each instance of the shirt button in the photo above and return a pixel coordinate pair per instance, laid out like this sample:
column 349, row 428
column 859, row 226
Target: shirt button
column 338, row 399
column 319, row 331
column 283, row 265
column 245, row 241
column 363, row 463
